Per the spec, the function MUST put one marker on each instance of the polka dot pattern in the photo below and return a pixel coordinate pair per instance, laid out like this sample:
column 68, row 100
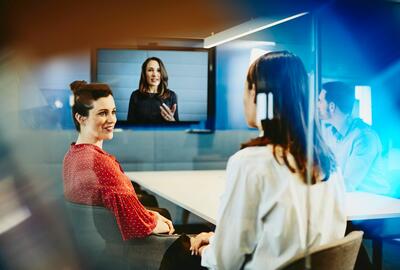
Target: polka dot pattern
column 94, row 177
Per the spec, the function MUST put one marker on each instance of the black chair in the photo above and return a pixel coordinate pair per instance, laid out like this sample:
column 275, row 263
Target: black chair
column 144, row 197
column 340, row 254
column 98, row 238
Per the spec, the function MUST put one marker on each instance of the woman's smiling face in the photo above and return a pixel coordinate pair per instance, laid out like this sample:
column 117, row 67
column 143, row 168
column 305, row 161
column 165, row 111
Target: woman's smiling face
column 99, row 124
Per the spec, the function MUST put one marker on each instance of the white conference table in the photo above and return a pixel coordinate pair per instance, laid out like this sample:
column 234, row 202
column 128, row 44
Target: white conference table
column 199, row 193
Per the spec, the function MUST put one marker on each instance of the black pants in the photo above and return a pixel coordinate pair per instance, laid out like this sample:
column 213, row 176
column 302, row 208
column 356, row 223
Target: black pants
column 144, row 197
column 178, row 256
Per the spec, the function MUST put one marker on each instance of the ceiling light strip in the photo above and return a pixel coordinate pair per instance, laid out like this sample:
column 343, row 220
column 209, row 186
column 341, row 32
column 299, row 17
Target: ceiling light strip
column 245, row 29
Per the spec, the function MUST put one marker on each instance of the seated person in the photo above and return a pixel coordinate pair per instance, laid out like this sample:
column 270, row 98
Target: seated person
column 262, row 220
column 94, row 177
column 357, row 147
column 153, row 102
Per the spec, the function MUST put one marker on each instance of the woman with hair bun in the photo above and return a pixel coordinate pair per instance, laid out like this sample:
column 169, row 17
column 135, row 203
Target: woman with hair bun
column 94, row 177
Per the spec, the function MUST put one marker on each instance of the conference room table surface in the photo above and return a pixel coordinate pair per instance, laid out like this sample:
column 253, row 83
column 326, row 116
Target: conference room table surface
column 198, row 191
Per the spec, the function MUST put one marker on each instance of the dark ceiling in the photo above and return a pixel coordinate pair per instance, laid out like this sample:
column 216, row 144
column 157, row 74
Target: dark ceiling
column 50, row 27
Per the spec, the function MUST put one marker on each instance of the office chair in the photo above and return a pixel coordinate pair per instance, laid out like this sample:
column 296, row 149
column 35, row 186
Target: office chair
column 340, row 254
column 99, row 240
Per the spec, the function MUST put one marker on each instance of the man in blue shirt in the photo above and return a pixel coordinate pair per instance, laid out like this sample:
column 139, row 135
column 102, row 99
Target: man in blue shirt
column 355, row 144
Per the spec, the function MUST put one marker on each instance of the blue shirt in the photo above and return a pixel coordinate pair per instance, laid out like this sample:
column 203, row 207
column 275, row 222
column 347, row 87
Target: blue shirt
column 358, row 152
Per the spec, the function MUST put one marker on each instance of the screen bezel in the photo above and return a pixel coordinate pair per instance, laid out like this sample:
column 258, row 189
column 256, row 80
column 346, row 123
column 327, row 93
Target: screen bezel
column 209, row 123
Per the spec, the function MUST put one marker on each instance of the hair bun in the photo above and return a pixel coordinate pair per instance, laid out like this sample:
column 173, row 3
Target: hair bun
column 76, row 85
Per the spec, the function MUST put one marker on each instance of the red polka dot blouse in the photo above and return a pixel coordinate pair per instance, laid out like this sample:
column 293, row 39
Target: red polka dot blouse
column 94, row 177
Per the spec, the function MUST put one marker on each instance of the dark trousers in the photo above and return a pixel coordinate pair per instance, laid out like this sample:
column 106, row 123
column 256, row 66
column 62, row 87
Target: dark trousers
column 178, row 256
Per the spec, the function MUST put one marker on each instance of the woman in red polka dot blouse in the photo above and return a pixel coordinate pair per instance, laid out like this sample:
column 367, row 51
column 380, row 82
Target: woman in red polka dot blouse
column 94, row 177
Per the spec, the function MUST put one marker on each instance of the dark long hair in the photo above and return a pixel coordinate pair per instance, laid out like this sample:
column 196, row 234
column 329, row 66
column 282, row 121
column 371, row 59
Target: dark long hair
column 84, row 95
column 283, row 74
column 162, row 90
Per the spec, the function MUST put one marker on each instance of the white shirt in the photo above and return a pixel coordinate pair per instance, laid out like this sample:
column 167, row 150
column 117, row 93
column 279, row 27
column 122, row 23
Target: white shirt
column 263, row 212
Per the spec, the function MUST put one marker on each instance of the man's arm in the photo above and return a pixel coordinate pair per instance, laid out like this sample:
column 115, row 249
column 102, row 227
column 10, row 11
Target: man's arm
column 365, row 150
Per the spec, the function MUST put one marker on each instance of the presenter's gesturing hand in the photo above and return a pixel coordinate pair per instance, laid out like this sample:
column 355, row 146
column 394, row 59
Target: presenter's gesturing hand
column 168, row 113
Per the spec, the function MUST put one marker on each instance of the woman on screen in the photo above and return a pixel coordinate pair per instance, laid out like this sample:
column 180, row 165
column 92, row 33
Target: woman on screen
column 262, row 219
column 153, row 102
column 94, row 177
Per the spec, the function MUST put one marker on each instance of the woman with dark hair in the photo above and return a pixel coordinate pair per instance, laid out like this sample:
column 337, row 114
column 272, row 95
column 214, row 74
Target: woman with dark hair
column 262, row 221
column 94, row 177
column 153, row 102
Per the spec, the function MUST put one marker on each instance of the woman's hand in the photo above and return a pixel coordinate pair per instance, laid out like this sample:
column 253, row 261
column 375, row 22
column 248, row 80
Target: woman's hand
column 168, row 113
column 199, row 242
column 164, row 225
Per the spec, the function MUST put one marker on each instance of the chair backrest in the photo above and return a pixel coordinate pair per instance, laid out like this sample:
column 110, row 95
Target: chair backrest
column 340, row 254
column 94, row 224
column 87, row 219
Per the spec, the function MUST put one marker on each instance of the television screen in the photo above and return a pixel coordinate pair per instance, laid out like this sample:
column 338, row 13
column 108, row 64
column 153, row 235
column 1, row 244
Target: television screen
column 188, row 75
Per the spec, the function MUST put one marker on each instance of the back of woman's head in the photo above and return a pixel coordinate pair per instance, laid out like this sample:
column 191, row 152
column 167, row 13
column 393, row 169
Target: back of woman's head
column 84, row 96
column 284, row 76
